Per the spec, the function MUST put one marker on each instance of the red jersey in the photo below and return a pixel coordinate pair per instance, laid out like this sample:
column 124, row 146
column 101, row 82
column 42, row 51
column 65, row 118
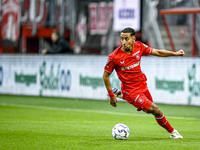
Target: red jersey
column 128, row 67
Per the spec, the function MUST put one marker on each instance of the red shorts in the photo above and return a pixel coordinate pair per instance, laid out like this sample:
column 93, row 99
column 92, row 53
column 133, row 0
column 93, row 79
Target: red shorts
column 142, row 100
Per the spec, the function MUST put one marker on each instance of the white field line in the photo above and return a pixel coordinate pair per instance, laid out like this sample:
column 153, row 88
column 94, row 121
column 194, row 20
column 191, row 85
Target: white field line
column 91, row 111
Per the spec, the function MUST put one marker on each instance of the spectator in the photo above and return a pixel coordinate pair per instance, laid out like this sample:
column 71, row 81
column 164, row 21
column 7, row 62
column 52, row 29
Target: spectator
column 60, row 45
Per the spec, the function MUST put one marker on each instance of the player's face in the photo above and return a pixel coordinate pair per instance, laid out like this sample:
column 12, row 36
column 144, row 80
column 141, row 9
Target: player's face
column 127, row 41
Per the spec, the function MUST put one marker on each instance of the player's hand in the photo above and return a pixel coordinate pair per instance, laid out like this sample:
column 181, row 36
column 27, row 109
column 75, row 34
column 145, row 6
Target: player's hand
column 44, row 51
column 113, row 101
column 180, row 53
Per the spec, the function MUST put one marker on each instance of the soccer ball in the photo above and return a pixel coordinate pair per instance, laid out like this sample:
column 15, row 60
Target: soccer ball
column 120, row 131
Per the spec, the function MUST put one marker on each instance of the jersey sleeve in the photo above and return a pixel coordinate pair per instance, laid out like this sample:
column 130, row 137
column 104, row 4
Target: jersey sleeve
column 146, row 49
column 110, row 65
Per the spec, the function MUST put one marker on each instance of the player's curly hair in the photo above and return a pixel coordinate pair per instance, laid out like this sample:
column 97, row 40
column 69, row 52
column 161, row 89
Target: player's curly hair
column 128, row 30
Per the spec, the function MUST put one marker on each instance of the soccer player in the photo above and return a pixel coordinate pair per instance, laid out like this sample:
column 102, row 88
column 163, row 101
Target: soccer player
column 126, row 62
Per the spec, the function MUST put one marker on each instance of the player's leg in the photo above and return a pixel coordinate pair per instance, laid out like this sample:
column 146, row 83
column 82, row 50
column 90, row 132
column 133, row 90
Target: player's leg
column 159, row 116
column 148, row 95
column 144, row 101
column 162, row 121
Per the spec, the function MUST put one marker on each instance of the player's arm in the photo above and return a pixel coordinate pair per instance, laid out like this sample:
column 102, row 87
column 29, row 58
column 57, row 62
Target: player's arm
column 166, row 53
column 106, row 79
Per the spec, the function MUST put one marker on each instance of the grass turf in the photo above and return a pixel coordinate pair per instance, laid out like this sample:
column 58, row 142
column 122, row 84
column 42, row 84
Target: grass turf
column 57, row 123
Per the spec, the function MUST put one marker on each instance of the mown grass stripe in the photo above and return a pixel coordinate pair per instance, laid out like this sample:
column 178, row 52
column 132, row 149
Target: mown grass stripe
column 90, row 111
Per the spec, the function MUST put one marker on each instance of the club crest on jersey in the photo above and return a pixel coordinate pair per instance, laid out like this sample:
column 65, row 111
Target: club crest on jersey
column 137, row 56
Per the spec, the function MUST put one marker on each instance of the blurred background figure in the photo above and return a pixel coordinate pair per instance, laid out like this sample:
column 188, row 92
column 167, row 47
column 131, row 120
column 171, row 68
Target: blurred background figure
column 60, row 45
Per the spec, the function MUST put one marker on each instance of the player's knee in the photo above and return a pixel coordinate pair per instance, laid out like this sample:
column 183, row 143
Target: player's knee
column 157, row 112
column 154, row 110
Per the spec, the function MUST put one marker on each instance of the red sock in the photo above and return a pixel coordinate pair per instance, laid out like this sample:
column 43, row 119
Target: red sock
column 163, row 122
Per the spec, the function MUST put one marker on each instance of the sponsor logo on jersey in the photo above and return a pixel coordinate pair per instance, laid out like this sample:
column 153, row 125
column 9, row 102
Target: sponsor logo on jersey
column 131, row 66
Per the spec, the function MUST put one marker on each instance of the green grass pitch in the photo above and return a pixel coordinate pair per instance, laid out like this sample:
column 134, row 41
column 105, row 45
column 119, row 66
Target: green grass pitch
column 32, row 123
